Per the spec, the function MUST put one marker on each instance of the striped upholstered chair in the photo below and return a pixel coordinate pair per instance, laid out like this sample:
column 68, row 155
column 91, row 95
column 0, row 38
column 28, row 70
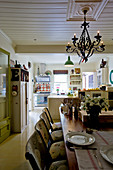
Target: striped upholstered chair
column 55, row 125
column 56, row 135
column 39, row 157
column 56, row 149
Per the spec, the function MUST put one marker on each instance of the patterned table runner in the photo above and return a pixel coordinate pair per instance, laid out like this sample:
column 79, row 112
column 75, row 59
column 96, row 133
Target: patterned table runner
column 86, row 159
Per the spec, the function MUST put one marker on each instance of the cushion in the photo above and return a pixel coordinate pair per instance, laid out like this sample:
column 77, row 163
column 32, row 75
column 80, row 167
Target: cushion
column 59, row 165
column 57, row 135
column 57, row 126
column 57, row 151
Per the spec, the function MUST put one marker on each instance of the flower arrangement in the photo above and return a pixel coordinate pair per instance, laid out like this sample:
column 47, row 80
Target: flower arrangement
column 97, row 101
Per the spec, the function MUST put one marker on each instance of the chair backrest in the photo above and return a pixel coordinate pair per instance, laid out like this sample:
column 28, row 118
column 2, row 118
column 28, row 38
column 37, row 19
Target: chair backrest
column 42, row 128
column 48, row 114
column 36, row 152
column 75, row 101
column 46, row 119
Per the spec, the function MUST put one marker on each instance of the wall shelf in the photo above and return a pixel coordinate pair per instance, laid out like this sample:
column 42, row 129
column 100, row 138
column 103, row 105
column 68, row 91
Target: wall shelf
column 75, row 81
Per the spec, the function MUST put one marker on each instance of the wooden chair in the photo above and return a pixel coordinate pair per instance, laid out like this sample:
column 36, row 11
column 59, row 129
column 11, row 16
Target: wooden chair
column 55, row 125
column 75, row 101
column 38, row 155
column 56, row 149
column 56, row 135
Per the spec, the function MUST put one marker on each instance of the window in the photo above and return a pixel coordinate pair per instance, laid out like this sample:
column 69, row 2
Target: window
column 60, row 83
column 91, row 81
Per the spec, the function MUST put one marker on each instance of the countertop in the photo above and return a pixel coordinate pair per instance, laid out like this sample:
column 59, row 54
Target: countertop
column 60, row 96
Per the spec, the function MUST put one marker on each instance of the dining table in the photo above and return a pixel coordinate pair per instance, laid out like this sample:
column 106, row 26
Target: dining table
column 91, row 156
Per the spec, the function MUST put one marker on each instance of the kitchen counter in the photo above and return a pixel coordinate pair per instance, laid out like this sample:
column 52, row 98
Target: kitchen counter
column 40, row 99
column 61, row 96
column 54, row 102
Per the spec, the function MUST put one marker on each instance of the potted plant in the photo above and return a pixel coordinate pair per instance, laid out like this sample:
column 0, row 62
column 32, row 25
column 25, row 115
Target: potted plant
column 96, row 101
column 93, row 107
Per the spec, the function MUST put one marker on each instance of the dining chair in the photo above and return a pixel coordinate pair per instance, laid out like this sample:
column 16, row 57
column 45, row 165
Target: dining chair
column 56, row 149
column 39, row 157
column 56, row 135
column 55, row 125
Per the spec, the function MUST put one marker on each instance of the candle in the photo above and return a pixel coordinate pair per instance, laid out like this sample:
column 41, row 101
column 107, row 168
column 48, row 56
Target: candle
column 68, row 44
column 74, row 35
column 97, row 33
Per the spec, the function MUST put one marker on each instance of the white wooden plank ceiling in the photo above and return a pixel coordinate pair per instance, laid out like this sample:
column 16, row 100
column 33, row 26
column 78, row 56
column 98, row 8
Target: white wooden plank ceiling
column 41, row 22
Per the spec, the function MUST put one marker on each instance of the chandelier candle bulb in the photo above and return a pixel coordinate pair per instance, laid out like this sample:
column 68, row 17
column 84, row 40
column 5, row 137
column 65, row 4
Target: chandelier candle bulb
column 98, row 33
column 74, row 35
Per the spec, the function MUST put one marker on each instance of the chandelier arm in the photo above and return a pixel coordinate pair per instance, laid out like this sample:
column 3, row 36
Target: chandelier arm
column 82, row 40
column 96, row 43
column 91, row 52
column 75, row 44
column 88, row 40
column 78, row 53
column 70, row 50
column 80, row 60
column 99, row 49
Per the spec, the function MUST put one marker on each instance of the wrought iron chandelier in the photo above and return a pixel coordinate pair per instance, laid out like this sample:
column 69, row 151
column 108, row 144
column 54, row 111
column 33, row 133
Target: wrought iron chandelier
column 85, row 47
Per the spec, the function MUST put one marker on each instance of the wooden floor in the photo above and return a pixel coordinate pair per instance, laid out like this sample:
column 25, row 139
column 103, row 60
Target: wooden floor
column 12, row 150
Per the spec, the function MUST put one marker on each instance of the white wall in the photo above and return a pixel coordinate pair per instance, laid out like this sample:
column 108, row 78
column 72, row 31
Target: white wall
column 6, row 44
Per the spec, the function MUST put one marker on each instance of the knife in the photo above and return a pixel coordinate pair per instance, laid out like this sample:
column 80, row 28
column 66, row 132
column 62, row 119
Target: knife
column 98, row 160
column 82, row 148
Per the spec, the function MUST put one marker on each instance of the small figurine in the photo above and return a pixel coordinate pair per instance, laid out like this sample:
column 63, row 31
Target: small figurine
column 103, row 64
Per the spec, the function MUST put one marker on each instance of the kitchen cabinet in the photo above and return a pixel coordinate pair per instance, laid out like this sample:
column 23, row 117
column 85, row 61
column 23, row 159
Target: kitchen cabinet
column 42, row 91
column 75, row 82
column 108, row 95
column 54, row 102
column 19, row 99
column 5, row 112
column 102, row 76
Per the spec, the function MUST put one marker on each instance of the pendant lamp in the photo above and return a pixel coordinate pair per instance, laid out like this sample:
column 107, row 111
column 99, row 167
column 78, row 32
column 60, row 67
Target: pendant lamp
column 69, row 63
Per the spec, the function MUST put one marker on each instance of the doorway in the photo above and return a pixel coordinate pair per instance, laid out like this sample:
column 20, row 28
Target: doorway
column 89, row 80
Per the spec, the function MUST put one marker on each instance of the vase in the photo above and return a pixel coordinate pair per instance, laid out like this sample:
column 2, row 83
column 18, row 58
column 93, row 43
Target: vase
column 70, row 111
column 94, row 116
column 76, row 113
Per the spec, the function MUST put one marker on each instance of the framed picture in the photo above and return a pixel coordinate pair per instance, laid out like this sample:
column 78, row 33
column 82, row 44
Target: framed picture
column 77, row 70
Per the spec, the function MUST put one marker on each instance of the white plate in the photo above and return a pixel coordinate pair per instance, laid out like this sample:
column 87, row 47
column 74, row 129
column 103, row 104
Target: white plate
column 107, row 152
column 80, row 138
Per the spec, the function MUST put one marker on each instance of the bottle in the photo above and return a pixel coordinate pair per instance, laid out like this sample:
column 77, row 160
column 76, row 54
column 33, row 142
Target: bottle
column 70, row 111
column 76, row 113
column 38, row 72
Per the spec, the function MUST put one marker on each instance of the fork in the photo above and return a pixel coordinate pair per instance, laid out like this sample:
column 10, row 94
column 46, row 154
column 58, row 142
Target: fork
column 98, row 161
